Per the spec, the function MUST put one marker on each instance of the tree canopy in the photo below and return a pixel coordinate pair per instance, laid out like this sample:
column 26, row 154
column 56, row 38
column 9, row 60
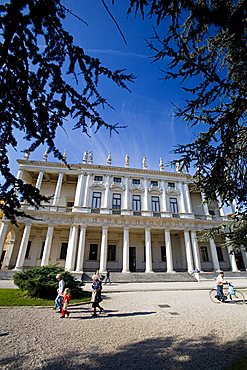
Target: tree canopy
column 205, row 41
column 44, row 79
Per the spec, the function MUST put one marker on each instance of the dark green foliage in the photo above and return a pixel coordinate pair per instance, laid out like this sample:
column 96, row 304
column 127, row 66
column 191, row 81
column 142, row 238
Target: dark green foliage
column 41, row 282
column 45, row 80
column 204, row 46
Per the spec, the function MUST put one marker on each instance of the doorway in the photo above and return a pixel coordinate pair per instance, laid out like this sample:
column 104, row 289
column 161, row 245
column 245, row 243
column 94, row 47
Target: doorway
column 132, row 259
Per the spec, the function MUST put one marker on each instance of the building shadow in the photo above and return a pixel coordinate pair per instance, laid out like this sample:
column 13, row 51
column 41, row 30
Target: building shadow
column 166, row 353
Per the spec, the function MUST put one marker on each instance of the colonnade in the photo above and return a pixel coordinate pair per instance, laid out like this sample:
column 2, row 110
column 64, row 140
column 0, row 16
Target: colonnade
column 76, row 249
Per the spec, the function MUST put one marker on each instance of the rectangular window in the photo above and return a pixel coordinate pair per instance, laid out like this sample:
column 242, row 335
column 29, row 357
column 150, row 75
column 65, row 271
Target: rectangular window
column 136, row 182
column 173, row 205
column 111, row 253
column 63, row 252
column 96, row 199
column 93, row 252
column 171, row 185
column 155, row 204
column 211, row 212
column 136, row 200
column 204, row 253
column 42, row 250
column 116, row 201
column 28, row 249
column 163, row 253
column 117, row 180
column 154, row 183
column 219, row 254
column 98, row 178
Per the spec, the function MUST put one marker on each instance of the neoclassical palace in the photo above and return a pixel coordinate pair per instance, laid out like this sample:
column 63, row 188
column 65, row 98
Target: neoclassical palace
column 118, row 218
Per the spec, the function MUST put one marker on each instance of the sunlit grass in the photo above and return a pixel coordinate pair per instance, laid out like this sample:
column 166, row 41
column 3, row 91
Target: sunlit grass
column 16, row 297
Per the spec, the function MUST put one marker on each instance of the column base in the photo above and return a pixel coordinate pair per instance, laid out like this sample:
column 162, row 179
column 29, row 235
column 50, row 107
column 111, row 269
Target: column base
column 171, row 272
column 18, row 269
column 125, row 272
column 149, row 272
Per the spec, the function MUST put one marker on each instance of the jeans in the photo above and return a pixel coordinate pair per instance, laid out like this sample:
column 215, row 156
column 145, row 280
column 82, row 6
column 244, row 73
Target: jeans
column 219, row 292
column 59, row 302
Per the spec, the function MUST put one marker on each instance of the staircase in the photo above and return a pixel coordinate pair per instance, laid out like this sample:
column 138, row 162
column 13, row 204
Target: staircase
column 142, row 277
column 228, row 275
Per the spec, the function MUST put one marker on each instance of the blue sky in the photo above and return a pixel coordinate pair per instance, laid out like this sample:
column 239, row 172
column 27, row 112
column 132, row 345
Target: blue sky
column 152, row 130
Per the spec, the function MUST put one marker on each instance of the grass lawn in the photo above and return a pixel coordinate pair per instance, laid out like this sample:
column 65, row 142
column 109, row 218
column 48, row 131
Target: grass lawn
column 16, row 297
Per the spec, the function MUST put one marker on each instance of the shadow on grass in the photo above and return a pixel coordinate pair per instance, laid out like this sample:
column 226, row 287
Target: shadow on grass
column 171, row 352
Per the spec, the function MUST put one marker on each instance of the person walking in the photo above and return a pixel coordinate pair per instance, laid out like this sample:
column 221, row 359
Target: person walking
column 66, row 300
column 96, row 294
column 59, row 299
column 107, row 278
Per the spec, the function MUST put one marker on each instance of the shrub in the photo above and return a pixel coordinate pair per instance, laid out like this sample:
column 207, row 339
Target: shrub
column 41, row 282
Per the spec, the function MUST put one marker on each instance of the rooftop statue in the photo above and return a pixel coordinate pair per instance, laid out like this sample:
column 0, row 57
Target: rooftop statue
column 144, row 162
column 27, row 155
column 45, row 156
column 109, row 158
column 90, row 157
column 126, row 160
column 85, row 157
column 161, row 165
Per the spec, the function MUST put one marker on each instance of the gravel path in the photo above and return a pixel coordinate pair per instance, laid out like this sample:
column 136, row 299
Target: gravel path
column 137, row 331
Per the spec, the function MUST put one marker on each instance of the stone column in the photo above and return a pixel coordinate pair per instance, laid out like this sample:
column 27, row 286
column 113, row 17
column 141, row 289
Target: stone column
column 81, row 249
column 164, row 203
column 189, row 257
column 234, row 206
column 39, row 180
column 145, row 195
column 47, row 247
column 148, row 248
column 7, row 259
column 244, row 255
column 221, row 209
column 103, row 250
column 79, row 190
column 19, row 174
column 107, row 192
column 205, row 206
column 3, row 233
column 58, row 190
column 23, row 249
column 196, row 251
column 86, row 193
column 71, row 253
column 232, row 259
column 126, row 194
column 126, row 250
column 187, row 197
column 216, row 265
column 182, row 202
column 169, row 259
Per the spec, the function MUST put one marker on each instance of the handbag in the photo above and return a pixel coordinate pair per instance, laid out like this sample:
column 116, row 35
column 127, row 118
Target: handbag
column 94, row 292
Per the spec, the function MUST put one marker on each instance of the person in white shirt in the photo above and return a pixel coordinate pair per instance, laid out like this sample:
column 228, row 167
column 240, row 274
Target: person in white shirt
column 219, row 285
column 59, row 298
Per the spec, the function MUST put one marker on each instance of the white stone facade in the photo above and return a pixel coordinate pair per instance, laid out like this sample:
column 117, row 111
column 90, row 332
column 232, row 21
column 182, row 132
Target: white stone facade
column 118, row 218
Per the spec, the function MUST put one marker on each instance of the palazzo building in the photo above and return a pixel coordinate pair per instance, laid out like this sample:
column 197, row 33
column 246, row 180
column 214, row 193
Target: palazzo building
column 118, row 218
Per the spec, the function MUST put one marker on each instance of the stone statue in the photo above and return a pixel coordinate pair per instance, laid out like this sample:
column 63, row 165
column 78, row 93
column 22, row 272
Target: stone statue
column 27, row 155
column 90, row 157
column 85, row 156
column 161, row 165
column 109, row 158
column 144, row 162
column 126, row 160
column 177, row 167
column 64, row 155
column 45, row 156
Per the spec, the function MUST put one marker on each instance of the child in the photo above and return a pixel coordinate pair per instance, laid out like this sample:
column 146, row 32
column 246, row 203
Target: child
column 66, row 300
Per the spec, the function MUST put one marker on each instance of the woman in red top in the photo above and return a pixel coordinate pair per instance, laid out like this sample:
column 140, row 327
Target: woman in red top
column 66, row 300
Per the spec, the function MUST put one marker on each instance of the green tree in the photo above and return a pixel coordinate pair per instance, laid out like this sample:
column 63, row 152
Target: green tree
column 44, row 79
column 205, row 41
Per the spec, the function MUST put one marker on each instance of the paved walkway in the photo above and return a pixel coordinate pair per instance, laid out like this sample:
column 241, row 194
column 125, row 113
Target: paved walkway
column 240, row 283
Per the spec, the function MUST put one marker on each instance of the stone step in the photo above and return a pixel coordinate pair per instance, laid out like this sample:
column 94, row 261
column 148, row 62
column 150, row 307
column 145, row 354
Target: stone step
column 227, row 275
column 135, row 277
column 6, row 274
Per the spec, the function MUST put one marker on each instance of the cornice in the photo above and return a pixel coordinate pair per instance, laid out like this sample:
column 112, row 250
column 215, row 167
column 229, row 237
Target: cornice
column 113, row 169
